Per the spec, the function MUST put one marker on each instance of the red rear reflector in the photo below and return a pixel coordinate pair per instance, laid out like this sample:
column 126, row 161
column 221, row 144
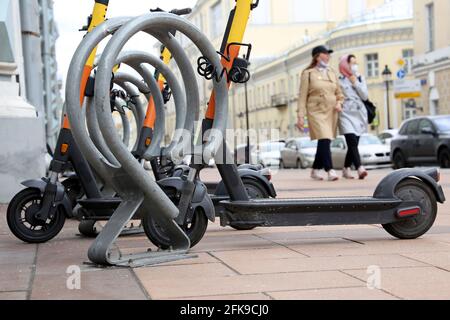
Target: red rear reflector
column 408, row 212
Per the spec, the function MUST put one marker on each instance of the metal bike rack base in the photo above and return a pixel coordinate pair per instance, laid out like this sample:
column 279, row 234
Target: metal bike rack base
column 103, row 251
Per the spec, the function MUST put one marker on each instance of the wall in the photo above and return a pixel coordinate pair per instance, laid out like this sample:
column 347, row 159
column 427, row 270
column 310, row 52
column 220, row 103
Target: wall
column 22, row 152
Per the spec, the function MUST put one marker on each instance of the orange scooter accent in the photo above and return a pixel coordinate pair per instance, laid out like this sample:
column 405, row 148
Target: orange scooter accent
column 150, row 117
column 86, row 73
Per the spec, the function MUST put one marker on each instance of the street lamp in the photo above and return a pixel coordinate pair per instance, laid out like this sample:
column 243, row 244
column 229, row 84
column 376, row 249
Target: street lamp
column 387, row 76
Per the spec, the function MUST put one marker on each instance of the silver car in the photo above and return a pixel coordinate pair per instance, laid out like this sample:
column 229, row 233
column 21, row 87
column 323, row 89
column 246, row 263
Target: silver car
column 298, row 153
column 372, row 150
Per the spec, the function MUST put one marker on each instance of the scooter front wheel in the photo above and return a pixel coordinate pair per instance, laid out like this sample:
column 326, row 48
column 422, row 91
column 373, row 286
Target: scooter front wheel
column 22, row 220
column 413, row 228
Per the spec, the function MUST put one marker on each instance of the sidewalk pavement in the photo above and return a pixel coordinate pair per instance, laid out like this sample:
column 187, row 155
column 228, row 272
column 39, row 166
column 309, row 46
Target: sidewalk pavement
column 337, row 262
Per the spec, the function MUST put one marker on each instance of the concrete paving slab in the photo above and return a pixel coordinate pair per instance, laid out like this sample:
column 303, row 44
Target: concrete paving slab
column 181, row 272
column 412, row 283
column 236, row 242
column 160, row 286
column 436, row 259
column 334, row 249
column 257, row 266
column 17, row 254
column 257, row 255
column 15, row 277
column 109, row 284
column 19, row 295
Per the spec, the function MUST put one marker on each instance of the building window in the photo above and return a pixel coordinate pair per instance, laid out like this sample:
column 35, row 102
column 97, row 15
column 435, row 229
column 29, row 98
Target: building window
column 430, row 26
column 262, row 14
column 372, row 65
column 216, row 22
column 282, row 86
column 308, row 11
column 408, row 55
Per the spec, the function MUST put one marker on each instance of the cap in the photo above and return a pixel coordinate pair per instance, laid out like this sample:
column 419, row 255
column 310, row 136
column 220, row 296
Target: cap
column 321, row 49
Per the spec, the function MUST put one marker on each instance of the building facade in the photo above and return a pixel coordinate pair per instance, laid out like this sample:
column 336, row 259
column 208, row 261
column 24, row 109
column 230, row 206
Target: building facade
column 275, row 27
column 377, row 38
column 432, row 54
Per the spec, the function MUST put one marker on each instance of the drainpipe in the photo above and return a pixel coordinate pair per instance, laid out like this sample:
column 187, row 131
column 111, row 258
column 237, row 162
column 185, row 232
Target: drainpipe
column 31, row 47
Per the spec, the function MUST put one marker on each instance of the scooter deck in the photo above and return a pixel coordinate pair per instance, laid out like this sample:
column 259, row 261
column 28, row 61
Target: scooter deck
column 102, row 203
column 314, row 211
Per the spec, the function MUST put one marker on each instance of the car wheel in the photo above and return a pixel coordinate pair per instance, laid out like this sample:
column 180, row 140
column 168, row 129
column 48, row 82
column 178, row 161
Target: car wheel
column 444, row 158
column 399, row 160
column 282, row 166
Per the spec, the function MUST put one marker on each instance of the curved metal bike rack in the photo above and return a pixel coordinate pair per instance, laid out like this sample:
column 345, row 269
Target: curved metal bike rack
column 129, row 179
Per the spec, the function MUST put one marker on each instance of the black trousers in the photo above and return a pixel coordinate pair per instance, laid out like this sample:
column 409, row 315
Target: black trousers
column 353, row 157
column 323, row 156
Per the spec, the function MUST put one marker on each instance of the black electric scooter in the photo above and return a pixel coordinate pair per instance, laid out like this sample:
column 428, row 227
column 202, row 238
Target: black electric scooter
column 404, row 203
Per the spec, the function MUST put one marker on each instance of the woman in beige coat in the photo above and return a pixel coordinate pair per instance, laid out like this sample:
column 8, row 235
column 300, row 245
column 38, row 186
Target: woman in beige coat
column 321, row 101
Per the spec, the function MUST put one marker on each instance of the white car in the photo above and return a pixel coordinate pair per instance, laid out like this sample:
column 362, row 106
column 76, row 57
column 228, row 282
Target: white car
column 269, row 153
column 387, row 136
column 372, row 150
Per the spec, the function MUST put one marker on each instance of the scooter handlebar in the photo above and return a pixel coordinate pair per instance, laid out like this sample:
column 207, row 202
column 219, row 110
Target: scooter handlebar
column 182, row 12
column 178, row 12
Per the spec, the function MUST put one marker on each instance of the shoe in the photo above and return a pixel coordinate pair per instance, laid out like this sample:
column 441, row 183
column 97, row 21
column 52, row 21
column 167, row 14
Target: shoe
column 316, row 176
column 332, row 176
column 347, row 174
column 362, row 173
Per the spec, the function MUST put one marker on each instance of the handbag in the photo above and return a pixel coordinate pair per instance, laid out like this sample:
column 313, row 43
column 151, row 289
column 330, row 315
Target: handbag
column 370, row 107
column 371, row 111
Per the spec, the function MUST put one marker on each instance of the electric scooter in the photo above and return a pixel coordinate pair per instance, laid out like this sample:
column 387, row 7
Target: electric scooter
column 404, row 203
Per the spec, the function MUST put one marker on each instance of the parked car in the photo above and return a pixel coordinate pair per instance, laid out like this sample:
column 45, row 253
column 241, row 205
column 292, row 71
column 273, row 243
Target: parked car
column 269, row 153
column 298, row 153
column 422, row 140
column 372, row 150
column 387, row 136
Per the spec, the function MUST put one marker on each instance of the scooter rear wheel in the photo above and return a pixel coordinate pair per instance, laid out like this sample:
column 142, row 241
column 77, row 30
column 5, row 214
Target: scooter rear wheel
column 195, row 230
column 23, row 223
column 415, row 227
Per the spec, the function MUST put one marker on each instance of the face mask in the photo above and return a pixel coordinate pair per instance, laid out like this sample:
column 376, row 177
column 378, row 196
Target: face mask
column 355, row 69
column 323, row 64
